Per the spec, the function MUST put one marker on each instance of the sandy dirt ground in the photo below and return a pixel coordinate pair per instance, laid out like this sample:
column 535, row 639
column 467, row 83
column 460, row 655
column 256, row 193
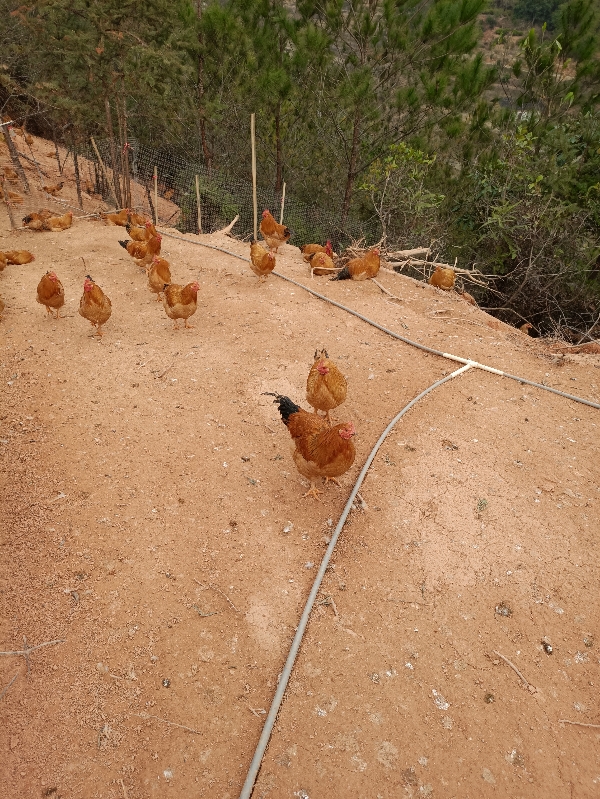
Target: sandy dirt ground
column 152, row 527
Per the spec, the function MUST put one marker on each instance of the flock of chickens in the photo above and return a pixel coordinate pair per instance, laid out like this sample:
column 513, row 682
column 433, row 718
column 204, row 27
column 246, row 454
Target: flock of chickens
column 322, row 449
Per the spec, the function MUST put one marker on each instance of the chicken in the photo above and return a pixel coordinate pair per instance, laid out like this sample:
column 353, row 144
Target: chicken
column 272, row 232
column 14, row 197
column 526, row 327
column 360, row 268
column 137, row 219
column 57, row 223
column 326, row 386
column 180, row 302
column 141, row 233
column 159, row 274
column 320, row 450
column 121, row 218
column 168, row 195
column 143, row 251
column 308, row 250
column 35, row 221
column 55, row 189
column 464, row 295
column 94, row 305
column 2, row 262
column 262, row 262
column 29, row 139
column 50, row 293
column 19, row 257
column 321, row 264
column 443, row 278
column 10, row 174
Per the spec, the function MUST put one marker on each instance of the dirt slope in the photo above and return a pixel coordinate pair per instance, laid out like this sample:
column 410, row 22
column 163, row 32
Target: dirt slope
column 153, row 520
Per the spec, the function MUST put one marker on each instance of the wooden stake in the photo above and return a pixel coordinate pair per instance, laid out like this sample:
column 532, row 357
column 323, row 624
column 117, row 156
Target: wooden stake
column 104, row 172
column 113, row 154
column 254, row 200
column 126, row 149
column 198, row 204
column 282, row 204
column 155, row 195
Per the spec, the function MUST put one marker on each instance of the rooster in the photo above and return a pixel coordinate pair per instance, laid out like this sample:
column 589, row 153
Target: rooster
column 320, row 450
column 143, row 251
column 121, row 218
column 272, row 232
column 180, row 302
column 262, row 262
column 442, row 278
column 361, row 268
column 19, row 257
column 51, row 294
column 308, row 250
column 58, row 223
column 94, row 305
column 326, row 386
column 159, row 274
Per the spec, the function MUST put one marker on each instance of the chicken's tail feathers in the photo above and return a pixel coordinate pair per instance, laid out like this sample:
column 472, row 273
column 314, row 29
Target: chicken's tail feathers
column 124, row 244
column 285, row 405
column 343, row 274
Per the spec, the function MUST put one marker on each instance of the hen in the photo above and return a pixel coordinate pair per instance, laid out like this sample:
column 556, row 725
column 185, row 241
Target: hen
column 360, row 268
column 35, row 221
column 320, row 450
column 308, row 250
column 19, row 257
column 143, row 251
column 58, row 223
column 94, row 305
column 262, row 262
column 321, row 264
column 50, row 293
column 137, row 219
column 2, row 262
column 180, row 302
column 326, row 387
column 442, row 278
column 158, row 274
column 121, row 218
column 141, row 233
column 55, row 189
column 10, row 174
column 272, row 232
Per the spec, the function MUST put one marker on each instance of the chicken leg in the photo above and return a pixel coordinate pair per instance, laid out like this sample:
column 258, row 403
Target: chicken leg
column 313, row 491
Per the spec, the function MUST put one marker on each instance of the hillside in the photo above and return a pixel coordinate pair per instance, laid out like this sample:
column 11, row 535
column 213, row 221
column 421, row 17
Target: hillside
column 153, row 522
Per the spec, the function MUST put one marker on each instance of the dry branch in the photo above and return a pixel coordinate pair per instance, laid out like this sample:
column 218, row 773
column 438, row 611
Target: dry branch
column 9, row 684
column 516, row 670
column 165, row 721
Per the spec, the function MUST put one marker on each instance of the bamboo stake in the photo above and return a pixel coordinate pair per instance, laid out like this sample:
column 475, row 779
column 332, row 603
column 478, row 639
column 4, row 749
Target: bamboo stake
column 282, row 204
column 104, row 172
column 198, row 205
column 155, row 195
column 254, row 200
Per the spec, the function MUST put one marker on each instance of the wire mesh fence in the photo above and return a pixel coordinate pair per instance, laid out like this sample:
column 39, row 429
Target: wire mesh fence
column 103, row 175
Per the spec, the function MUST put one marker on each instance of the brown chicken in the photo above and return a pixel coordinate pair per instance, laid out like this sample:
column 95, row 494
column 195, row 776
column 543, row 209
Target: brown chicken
column 10, row 174
column 180, row 302
column 143, row 251
column 35, row 221
column 14, row 197
column 121, row 218
column 308, row 250
column 526, row 327
column 464, row 295
column 360, row 268
column 55, row 189
column 2, row 262
column 57, row 223
column 144, row 233
column 262, row 262
column 19, row 257
column 321, row 264
column 442, row 278
column 137, row 219
column 326, row 387
column 158, row 274
column 320, row 450
column 51, row 294
column 272, row 232
column 94, row 305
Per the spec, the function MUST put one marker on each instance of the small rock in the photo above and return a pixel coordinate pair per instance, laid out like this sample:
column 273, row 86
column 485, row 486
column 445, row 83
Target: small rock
column 488, row 776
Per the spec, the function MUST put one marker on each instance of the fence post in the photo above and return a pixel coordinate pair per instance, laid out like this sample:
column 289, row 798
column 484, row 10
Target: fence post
column 282, row 204
column 155, row 195
column 198, row 205
column 254, row 201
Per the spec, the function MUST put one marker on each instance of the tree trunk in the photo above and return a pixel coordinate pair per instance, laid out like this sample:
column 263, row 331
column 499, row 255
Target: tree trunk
column 113, row 154
column 201, row 110
column 351, row 169
column 14, row 157
column 278, row 151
